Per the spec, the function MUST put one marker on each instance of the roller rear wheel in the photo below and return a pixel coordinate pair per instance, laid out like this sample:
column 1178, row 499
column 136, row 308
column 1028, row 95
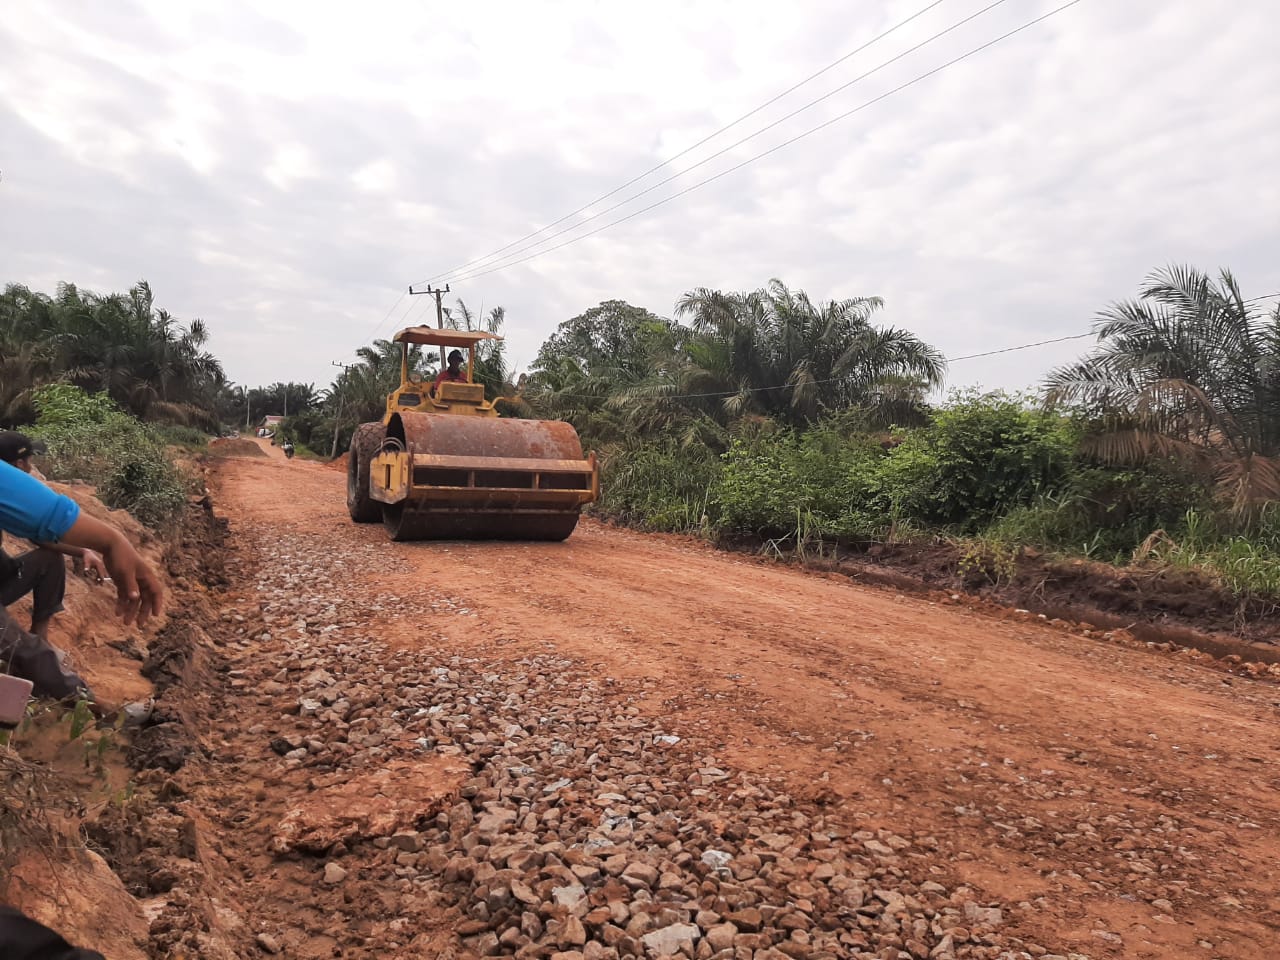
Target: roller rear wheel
column 364, row 446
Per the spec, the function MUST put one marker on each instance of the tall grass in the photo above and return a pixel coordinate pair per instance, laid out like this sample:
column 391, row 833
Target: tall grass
column 1246, row 564
column 189, row 438
column 660, row 486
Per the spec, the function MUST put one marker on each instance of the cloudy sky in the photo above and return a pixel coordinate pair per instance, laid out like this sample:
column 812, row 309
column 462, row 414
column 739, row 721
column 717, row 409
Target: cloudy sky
column 284, row 170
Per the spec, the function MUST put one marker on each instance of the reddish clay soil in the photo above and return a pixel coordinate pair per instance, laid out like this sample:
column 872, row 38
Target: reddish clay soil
column 235, row 447
column 1122, row 795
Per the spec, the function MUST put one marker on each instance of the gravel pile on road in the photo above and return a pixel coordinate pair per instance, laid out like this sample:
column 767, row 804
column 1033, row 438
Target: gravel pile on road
column 585, row 829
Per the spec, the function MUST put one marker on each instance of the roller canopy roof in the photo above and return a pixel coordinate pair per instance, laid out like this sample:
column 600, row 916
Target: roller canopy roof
column 443, row 338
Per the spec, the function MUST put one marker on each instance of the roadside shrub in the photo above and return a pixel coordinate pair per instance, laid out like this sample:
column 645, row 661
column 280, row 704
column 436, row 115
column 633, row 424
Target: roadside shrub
column 1247, row 565
column 175, row 435
column 311, row 428
column 89, row 438
column 818, row 480
column 659, row 486
column 983, row 455
column 64, row 405
column 1106, row 512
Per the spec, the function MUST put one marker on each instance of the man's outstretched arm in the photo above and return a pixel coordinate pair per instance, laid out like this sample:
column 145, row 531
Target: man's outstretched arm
column 31, row 510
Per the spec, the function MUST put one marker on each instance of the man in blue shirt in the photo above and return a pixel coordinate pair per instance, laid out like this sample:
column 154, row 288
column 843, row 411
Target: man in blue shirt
column 31, row 510
column 41, row 572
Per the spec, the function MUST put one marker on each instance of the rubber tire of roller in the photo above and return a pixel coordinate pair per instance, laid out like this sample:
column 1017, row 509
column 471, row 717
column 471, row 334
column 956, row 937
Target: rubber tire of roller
column 364, row 446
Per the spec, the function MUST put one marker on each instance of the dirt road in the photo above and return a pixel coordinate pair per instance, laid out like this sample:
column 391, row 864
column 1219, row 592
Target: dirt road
column 856, row 774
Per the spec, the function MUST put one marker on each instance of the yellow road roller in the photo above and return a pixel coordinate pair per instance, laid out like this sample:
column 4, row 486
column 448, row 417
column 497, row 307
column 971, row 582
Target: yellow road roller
column 442, row 465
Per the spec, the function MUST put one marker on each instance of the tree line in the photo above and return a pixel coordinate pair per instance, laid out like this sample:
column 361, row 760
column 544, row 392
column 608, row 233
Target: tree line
column 693, row 414
column 120, row 344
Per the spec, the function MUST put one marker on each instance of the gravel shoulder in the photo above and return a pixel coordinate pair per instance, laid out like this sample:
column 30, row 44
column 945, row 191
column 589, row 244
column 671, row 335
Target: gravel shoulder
column 627, row 746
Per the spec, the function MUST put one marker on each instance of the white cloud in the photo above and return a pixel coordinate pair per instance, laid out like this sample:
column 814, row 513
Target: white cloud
column 284, row 171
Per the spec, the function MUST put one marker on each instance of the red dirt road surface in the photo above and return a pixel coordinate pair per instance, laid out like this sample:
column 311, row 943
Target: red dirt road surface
column 858, row 773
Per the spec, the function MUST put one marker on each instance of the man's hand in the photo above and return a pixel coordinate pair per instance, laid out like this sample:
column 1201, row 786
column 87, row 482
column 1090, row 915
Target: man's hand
column 138, row 591
column 89, row 564
column 139, row 594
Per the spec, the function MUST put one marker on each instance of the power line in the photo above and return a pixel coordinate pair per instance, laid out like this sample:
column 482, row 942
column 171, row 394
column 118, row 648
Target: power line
column 407, row 310
column 390, row 310
column 774, row 149
column 689, row 149
column 1025, row 346
column 737, row 143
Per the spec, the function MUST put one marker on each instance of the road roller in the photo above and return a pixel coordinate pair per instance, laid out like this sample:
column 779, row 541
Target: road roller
column 443, row 465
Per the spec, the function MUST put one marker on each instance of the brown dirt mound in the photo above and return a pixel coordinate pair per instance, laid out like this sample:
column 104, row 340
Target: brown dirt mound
column 1158, row 596
column 1156, row 604
column 340, row 463
column 235, row 448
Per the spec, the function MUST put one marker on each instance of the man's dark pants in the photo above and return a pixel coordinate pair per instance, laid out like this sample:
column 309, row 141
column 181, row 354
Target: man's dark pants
column 43, row 574
column 21, row 938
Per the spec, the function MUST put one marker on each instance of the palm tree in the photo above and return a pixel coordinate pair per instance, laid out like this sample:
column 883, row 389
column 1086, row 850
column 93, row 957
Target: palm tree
column 120, row 343
column 360, row 391
column 22, row 369
column 138, row 354
column 563, row 388
column 1189, row 370
column 595, row 356
column 774, row 353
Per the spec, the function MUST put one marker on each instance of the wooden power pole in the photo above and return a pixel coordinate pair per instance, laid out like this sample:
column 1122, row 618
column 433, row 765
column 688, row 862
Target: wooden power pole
column 438, row 294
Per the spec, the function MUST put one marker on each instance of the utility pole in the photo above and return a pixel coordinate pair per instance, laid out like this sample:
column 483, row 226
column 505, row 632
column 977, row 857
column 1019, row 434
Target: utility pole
column 437, row 293
column 246, row 408
column 337, row 421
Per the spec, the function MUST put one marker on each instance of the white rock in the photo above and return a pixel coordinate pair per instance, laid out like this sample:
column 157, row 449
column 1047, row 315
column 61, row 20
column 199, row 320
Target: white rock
column 571, row 895
column 668, row 941
column 717, row 859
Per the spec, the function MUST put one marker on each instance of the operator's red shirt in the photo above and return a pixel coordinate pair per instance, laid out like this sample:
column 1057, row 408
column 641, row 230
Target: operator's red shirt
column 445, row 374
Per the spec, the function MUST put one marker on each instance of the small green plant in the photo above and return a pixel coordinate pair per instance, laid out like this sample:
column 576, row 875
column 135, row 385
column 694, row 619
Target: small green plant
column 126, row 795
column 81, row 717
column 96, row 750
column 806, row 541
column 990, row 560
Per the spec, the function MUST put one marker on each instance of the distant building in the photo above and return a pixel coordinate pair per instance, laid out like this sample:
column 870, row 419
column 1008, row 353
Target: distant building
column 267, row 426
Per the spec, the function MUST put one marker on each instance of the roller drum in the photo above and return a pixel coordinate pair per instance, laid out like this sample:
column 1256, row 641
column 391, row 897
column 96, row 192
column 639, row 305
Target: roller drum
column 500, row 515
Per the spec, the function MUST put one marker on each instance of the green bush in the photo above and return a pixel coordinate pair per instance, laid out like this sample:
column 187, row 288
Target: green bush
column 659, row 486
column 89, row 438
column 1106, row 512
column 175, row 435
column 818, row 480
column 311, row 428
column 983, row 455
column 64, row 405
